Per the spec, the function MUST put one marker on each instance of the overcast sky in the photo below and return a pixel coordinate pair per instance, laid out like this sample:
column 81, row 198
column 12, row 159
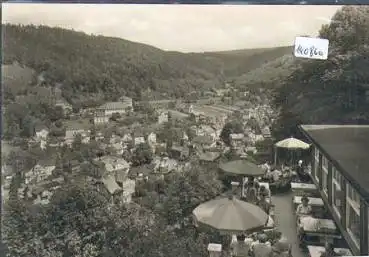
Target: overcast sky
column 186, row 28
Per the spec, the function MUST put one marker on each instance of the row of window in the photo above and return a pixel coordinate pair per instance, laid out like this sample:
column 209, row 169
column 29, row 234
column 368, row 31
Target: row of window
column 352, row 206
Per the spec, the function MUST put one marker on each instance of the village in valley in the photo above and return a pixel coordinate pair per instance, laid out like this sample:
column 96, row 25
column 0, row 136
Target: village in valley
column 176, row 147
column 115, row 144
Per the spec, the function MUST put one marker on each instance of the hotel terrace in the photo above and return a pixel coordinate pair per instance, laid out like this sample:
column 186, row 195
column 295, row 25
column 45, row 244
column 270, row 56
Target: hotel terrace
column 340, row 169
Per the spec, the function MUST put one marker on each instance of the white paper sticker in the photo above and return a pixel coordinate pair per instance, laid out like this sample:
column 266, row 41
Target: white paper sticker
column 311, row 48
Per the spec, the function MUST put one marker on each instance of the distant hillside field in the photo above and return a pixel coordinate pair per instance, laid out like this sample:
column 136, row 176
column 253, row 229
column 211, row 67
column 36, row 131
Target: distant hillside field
column 239, row 62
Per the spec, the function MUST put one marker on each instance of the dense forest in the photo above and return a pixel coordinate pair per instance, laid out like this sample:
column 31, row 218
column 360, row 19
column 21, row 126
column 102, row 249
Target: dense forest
column 334, row 91
column 105, row 68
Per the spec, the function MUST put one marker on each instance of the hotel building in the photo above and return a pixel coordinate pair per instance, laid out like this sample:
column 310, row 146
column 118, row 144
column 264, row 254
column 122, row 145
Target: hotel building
column 340, row 169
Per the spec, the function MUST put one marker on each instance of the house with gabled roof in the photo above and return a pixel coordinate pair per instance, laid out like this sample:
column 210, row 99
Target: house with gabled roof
column 179, row 152
column 75, row 127
column 66, row 107
column 40, row 171
column 109, row 187
column 115, row 107
column 138, row 137
column 41, row 132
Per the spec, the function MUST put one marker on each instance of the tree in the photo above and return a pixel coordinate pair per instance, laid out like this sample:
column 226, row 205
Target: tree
column 349, row 28
column 331, row 91
column 142, row 155
column 191, row 133
column 185, row 191
column 230, row 128
column 56, row 113
column 79, row 221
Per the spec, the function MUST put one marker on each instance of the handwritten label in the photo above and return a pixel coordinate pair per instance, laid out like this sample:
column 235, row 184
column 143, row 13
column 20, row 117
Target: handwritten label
column 311, row 48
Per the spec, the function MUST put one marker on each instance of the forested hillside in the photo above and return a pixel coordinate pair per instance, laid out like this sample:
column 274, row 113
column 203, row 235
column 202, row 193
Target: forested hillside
column 333, row 90
column 239, row 62
column 111, row 66
column 105, row 68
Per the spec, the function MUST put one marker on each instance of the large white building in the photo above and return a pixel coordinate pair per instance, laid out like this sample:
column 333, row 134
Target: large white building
column 105, row 111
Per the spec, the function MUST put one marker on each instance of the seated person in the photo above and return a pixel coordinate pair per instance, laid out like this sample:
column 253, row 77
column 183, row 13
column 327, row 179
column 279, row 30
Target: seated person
column 304, row 209
column 251, row 192
column 329, row 251
column 263, row 248
column 282, row 248
column 306, row 223
column 257, row 187
column 240, row 248
column 287, row 173
column 273, row 235
column 263, row 203
column 256, row 236
column 265, row 167
column 276, row 175
column 264, row 190
column 300, row 163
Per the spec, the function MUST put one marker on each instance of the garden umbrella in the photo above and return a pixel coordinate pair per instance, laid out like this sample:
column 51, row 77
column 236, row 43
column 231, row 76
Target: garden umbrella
column 242, row 167
column 290, row 144
column 230, row 215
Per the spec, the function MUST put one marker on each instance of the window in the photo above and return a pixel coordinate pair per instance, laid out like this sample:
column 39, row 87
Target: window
column 316, row 152
column 353, row 196
column 325, row 163
column 353, row 214
column 337, row 199
column 337, row 192
column 325, row 175
column 353, row 224
column 316, row 165
column 337, row 177
column 325, row 181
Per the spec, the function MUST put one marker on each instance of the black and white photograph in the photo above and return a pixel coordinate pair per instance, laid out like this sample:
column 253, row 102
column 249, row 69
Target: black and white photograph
column 185, row 130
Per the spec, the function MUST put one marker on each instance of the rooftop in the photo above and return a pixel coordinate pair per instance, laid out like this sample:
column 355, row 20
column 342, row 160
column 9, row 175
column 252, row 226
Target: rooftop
column 115, row 105
column 62, row 102
column 209, row 156
column 111, row 185
column 178, row 115
column 348, row 148
column 40, row 126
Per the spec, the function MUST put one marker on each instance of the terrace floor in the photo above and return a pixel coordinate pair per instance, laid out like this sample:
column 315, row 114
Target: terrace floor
column 285, row 221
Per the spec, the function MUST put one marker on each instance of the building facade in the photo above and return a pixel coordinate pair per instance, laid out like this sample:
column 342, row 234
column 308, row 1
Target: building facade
column 100, row 117
column 340, row 171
